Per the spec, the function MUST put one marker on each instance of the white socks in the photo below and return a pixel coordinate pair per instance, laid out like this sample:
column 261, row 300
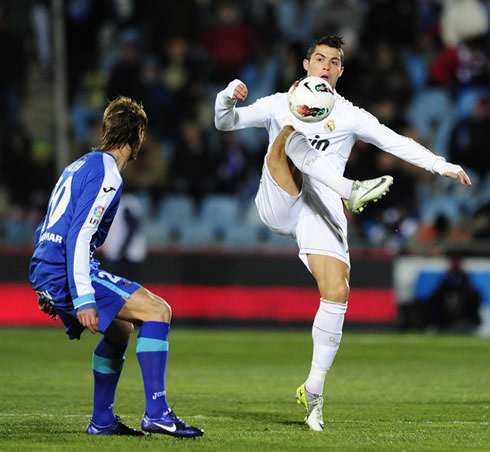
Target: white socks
column 327, row 333
column 312, row 162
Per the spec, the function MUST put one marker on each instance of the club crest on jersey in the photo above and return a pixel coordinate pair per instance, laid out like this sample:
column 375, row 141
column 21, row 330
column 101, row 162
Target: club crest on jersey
column 329, row 125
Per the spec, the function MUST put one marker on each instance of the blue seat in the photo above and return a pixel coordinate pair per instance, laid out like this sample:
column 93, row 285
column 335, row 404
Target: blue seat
column 280, row 241
column 242, row 235
column 220, row 211
column 195, row 234
column 251, row 216
column 468, row 99
column 176, row 209
column 432, row 113
column 157, row 233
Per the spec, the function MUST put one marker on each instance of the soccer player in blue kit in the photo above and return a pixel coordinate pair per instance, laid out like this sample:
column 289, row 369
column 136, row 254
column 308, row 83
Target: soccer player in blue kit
column 70, row 283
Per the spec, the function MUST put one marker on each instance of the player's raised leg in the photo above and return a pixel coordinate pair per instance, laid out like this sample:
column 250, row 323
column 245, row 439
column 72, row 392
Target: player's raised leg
column 152, row 351
column 314, row 163
column 280, row 166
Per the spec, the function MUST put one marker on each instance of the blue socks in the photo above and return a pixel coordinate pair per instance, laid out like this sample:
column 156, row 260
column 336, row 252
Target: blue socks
column 152, row 351
column 107, row 363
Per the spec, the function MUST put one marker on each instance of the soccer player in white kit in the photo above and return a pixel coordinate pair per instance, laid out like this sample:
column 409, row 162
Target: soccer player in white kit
column 302, row 187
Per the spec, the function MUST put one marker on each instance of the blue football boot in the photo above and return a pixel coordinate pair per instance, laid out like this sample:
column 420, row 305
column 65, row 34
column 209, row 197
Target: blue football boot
column 170, row 424
column 117, row 428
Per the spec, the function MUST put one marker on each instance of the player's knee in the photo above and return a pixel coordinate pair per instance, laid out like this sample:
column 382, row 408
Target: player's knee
column 286, row 130
column 334, row 289
column 278, row 148
column 283, row 136
column 119, row 331
column 127, row 331
column 158, row 309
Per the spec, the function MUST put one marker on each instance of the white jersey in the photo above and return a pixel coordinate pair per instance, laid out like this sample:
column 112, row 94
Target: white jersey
column 334, row 136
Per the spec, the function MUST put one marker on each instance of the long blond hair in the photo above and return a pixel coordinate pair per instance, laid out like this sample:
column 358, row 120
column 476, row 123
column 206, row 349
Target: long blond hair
column 123, row 121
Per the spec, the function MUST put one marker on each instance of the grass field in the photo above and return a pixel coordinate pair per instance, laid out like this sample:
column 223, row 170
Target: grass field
column 385, row 392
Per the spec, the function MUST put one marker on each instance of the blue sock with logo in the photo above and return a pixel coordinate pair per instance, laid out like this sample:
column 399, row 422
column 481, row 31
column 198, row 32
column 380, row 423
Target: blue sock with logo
column 107, row 363
column 152, row 351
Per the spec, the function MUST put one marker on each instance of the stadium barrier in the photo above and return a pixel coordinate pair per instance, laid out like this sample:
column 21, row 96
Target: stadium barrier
column 238, row 287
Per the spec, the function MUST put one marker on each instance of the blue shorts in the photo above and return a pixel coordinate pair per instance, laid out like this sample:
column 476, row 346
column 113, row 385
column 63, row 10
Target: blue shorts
column 109, row 292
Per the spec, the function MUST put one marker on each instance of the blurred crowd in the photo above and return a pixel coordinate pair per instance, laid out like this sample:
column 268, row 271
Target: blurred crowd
column 421, row 66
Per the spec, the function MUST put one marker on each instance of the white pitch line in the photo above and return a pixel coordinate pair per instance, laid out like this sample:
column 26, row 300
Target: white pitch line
column 200, row 416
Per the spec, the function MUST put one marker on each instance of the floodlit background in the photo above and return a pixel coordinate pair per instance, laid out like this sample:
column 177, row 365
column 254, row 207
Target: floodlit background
column 420, row 256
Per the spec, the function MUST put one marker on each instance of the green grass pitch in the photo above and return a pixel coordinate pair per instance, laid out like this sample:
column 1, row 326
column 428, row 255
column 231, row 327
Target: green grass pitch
column 385, row 392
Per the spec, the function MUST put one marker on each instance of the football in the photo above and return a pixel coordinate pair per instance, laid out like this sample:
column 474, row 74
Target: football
column 311, row 99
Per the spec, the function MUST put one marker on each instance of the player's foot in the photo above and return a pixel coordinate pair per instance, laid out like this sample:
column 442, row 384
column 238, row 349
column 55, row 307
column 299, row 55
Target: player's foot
column 117, row 428
column 313, row 404
column 170, row 424
column 366, row 191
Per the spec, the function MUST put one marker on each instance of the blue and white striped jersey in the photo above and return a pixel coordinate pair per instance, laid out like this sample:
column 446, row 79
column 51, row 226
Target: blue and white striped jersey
column 80, row 212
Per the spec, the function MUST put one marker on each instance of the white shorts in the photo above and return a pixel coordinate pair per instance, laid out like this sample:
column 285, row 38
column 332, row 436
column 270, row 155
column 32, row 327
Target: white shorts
column 318, row 229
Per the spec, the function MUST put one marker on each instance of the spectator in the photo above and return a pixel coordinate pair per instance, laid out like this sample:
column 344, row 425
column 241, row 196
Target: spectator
column 231, row 166
column 470, row 139
column 149, row 172
column 41, row 24
column 392, row 21
column 158, row 100
column 454, row 305
column 192, row 166
column 17, row 148
column 295, row 20
column 125, row 75
column 229, row 42
column 466, row 64
column 83, row 19
column 13, row 73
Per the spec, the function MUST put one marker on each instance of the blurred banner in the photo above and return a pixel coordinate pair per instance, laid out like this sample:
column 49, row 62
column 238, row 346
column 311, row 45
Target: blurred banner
column 223, row 287
column 275, row 304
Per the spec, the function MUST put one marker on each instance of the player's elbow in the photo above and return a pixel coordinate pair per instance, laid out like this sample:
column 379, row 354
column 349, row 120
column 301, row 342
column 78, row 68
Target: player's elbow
column 221, row 125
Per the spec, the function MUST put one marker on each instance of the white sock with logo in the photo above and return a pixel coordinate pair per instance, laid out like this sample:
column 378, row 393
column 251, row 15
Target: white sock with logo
column 314, row 163
column 327, row 333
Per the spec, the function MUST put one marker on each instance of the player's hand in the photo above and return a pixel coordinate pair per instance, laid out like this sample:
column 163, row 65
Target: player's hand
column 461, row 175
column 241, row 92
column 88, row 318
column 46, row 307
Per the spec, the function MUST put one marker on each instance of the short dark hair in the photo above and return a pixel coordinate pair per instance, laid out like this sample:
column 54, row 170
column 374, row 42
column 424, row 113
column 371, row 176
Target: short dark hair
column 334, row 41
column 123, row 120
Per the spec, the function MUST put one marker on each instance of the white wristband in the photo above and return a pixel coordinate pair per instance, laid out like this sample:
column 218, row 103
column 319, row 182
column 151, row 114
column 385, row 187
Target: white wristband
column 441, row 166
column 230, row 89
